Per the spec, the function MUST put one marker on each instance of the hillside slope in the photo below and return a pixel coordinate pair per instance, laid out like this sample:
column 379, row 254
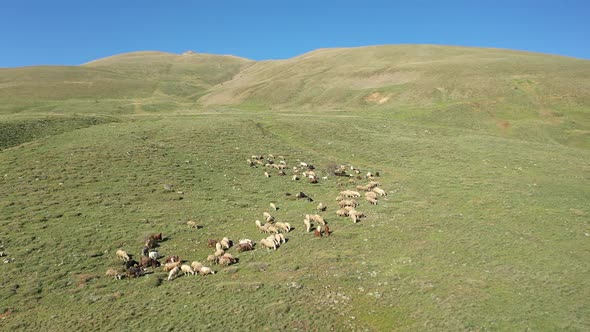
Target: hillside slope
column 408, row 74
column 118, row 82
column 528, row 96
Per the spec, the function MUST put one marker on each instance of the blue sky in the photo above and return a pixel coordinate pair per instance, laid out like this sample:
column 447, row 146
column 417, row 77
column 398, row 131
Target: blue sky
column 71, row 32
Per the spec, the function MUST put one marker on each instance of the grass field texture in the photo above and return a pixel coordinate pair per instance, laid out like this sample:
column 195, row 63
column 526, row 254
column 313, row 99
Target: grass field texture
column 486, row 225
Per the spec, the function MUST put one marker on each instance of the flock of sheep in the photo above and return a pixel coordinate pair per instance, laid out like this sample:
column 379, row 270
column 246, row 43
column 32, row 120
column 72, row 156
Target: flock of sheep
column 275, row 230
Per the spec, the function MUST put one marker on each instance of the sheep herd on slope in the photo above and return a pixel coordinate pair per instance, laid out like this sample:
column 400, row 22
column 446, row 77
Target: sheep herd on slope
column 275, row 230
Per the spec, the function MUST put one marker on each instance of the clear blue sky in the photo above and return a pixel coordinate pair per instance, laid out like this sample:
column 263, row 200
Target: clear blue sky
column 71, row 32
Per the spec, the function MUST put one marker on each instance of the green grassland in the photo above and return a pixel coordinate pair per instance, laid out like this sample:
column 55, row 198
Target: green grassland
column 485, row 227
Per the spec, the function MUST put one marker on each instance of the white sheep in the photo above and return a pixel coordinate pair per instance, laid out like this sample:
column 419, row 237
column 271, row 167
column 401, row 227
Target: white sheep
column 266, row 174
column 316, row 218
column 379, row 191
column 272, row 238
column 187, row 269
column 372, row 200
column 355, row 215
column 280, row 238
column 122, row 255
column 225, row 243
column 373, row 184
column 268, row 244
column 348, row 202
column 245, row 241
column 268, row 217
column 282, row 226
column 342, row 213
column 219, row 253
column 205, row 270
column 173, row 273
column 350, row 193
column 261, row 228
column 171, row 266
column 273, row 206
column 371, row 194
column 295, row 177
column 192, row 224
column 196, row 265
column 212, row 259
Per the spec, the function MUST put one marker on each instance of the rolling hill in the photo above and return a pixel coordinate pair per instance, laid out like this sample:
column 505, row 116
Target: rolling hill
column 482, row 154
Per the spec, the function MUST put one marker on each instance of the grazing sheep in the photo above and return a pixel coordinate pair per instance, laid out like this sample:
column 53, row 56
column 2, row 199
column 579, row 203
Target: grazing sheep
column 272, row 238
column 187, row 269
column 280, row 238
column 373, row 184
column 355, row 215
column 342, row 212
column 350, row 193
column 212, row 258
column 245, row 247
column 205, row 270
column 122, row 255
column 173, row 273
column 348, row 202
column 211, row 243
column 379, row 191
column 219, row 252
column 321, row 207
column 196, row 266
column 371, row 194
column 271, row 229
column 171, row 266
column 225, row 243
column 227, row 259
column 313, row 180
column 145, row 251
column 114, row 274
column 363, row 188
column 318, row 232
column 283, row 226
column 316, row 218
column 302, row 164
column 372, row 200
column 192, row 224
column 266, row 174
column 307, row 223
column 154, row 255
column 268, row 244
column 273, row 206
column 295, row 177
column 261, row 228
column 268, row 217
column 245, row 241
column 281, row 173
column 250, row 162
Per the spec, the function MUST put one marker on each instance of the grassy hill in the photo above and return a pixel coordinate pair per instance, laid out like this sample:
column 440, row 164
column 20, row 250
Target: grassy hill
column 485, row 225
